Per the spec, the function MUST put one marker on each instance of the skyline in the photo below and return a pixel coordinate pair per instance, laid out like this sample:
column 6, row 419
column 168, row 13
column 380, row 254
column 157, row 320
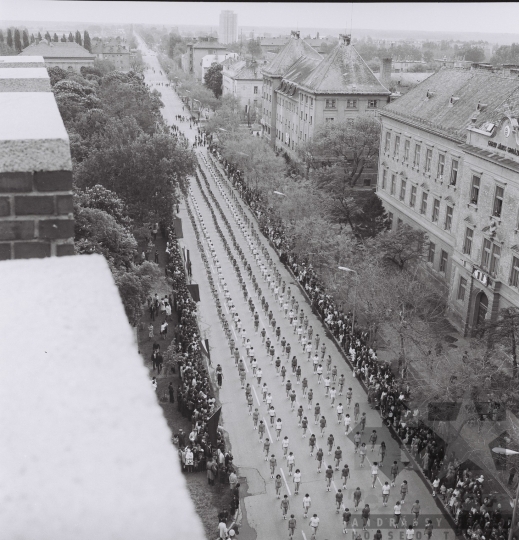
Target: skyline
column 434, row 17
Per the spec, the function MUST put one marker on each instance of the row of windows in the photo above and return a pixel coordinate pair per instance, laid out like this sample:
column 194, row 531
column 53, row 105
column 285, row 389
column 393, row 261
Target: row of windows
column 435, row 214
column 499, row 195
column 417, row 157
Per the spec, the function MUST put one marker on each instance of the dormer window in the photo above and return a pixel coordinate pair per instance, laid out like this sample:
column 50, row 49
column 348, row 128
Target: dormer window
column 481, row 106
column 453, row 100
column 430, row 94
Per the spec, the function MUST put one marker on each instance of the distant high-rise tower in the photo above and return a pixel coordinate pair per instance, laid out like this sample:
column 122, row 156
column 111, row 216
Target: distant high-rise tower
column 228, row 27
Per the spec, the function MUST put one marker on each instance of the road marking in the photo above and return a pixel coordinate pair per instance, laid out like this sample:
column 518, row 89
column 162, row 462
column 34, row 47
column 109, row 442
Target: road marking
column 257, row 399
column 286, row 483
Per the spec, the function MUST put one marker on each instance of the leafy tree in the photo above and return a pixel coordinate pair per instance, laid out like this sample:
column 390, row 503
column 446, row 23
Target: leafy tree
column 70, row 37
column 254, row 47
column 474, row 54
column 17, row 41
column 73, row 98
column 63, row 38
column 32, row 38
column 404, row 248
column 103, row 199
column 1, row 36
column 39, row 36
column 134, row 287
column 502, row 335
column 10, row 42
column 349, row 147
column 373, row 219
column 78, row 39
column 55, row 38
column 56, row 74
column 104, row 66
column 506, row 54
column 213, row 79
column 47, row 36
column 97, row 231
column 25, row 39
column 86, row 41
column 142, row 172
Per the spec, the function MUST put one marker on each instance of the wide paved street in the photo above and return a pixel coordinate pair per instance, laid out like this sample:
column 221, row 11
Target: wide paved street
column 261, row 507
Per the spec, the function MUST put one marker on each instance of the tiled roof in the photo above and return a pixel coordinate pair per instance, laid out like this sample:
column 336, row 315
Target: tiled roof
column 109, row 48
column 471, row 87
column 343, row 71
column 56, row 50
column 490, row 156
column 288, row 55
column 300, row 71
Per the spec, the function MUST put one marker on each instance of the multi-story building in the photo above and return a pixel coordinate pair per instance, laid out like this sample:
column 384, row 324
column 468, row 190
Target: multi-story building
column 210, row 59
column 301, row 90
column 66, row 55
column 191, row 61
column 448, row 165
column 112, row 50
column 228, row 29
column 243, row 80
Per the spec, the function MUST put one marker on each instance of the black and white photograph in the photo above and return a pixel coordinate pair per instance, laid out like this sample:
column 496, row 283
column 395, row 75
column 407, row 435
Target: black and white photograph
column 259, row 270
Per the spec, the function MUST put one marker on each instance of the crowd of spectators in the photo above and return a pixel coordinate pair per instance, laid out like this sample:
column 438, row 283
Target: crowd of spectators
column 477, row 517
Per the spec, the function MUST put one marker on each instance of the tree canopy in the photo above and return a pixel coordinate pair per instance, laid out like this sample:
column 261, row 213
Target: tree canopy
column 213, row 79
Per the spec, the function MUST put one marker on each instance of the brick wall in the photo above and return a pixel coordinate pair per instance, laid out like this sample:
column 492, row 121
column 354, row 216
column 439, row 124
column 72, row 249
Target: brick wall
column 36, row 211
column 36, row 214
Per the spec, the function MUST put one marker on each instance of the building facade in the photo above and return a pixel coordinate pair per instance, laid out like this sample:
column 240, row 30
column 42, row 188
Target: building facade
column 191, row 61
column 210, row 59
column 112, row 50
column 448, row 165
column 313, row 89
column 243, row 80
column 228, row 29
column 68, row 56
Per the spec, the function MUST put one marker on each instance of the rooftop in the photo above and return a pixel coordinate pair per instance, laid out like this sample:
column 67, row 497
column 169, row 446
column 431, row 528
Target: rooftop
column 86, row 450
column 56, row 50
column 21, row 61
column 209, row 45
column 288, row 55
column 32, row 134
column 470, row 87
column 109, row 48
column 241, row 71
column 343, row 71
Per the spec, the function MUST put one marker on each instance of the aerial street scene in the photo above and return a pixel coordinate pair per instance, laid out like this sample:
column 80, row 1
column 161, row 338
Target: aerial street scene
column 259, row 270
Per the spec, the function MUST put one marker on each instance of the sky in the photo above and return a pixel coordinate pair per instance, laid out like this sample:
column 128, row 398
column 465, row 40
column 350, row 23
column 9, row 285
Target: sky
column 487, row 17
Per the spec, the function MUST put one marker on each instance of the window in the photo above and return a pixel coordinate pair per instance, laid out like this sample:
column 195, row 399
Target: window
column 390, row 219
column 467, row 244
column 441, row 165
column 428, row 160
column 306, row 99
column 301, row 98
column 306, row 117
column 393, row 184
column 498, row 201
column 487, row 252
column 462, row 287
column 372, row 103
column 423, row 207
column 301, row 115
column 387, row 144
column 412, row 199
column 384, row 178
column 448, row 218
column 311, row 102
column 443, row 261
column 436, row 210
column 310, row 120
column 367, row 182
column 514, row 276
column 328, row 120
column 330, row 103
column 416, row 159
column 494, row 261
column 403, row 186
column 396, row 153
column 454, row 172
column 351, row 103
column 474, row 191
column 430, row 254
column 255, row 89
column 407, row 144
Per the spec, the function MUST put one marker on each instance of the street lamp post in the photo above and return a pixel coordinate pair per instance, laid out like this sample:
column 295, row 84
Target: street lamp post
column 345, row 269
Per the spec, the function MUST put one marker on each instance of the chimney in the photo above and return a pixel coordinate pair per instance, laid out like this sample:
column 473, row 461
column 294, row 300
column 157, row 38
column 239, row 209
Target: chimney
column 36, row 210
column 345, row 39
column 385, row 71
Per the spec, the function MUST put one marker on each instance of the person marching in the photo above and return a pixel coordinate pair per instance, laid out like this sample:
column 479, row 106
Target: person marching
column 345, row 474
column 329, row 477
column 386, row 489
column 297, row 481
column 338, row 500
column 277, row 485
